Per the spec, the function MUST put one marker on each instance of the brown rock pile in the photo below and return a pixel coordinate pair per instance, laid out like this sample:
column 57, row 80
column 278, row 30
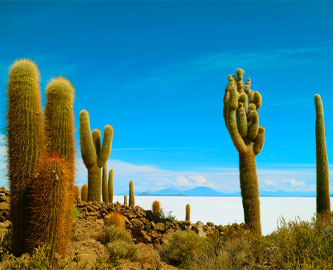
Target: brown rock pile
column 4, row 204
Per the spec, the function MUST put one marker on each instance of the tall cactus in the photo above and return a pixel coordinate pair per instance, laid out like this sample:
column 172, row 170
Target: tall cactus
column 125, row 200
column 49, row 191
column 93, row 157
column 25, row 143
column 323, row 193
column 105, row 193
column 242, row 121
column 188, row 212
column 59, row 131
column 110, row 186
column 84, row 193
column 131, row 193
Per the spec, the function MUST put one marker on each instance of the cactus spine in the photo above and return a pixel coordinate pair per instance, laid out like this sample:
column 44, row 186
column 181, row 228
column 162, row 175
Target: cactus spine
column 323, row 194
column 105, row 194
column 125, row 200
column 188, row 212
column 131, row 193
column 94, row 157
column 156, row 208
column 25, row 143
column 59, row 131
column 84, row 193
column 242, row 121
column 110, row 186
column 49, row 190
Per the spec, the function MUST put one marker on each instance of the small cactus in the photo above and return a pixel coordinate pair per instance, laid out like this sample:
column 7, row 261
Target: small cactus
column 76, row 193
column 323, row 193
column 131, row 194
column 105, row 193
column 93, row 154
column 115, row 218
column 26, row 143
column 188, row 212
column 110, row 186
column 125, row 200
column 49, row 195
column 84, row 193
column 156, row 208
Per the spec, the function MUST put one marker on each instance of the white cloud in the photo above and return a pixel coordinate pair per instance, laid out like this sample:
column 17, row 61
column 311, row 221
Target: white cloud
column 293, row 182
column 268, row 182
column 182, row 181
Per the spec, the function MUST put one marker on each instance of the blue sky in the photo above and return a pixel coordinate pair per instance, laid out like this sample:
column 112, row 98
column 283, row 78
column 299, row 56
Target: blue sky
column 156, row 71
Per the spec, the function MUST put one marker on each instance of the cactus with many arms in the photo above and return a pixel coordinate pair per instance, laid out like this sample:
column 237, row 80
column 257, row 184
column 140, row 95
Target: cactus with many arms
column 59, row 132
column 156, row 208
column 241, row 117
column 105, row 194
column 110, row 186
column 323, row 193
column 131, row 193
column 25, row 144
column 94, row 156
column 188, row 212
column 49, row 191
column 84, row 193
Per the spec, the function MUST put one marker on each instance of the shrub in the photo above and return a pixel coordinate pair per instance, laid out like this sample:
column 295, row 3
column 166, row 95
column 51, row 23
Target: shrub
column 113, row 233
column 120, row 249
column 115, row 218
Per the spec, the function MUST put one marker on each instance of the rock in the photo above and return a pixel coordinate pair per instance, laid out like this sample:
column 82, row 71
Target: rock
column 198, row 228
column 4, row 206
column 159, row 227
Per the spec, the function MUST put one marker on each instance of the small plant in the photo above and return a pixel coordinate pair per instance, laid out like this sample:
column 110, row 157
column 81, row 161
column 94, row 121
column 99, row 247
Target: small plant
column 112, row 232
column 84, row 193
column 115, row 218
column 125, row 200
column 131, row 194
column 167, row 216
column 156, row 208
column 188, row 212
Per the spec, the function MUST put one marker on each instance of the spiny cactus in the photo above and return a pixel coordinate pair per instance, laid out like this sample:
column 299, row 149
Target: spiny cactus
column 125, row 200
column 49, row 192
column 115, row 218
column 156, row 208
column 59, row 131
column 105, row 193
column 131, row 193
column 242, row 121
column 25, row 143
column 323, row 193
column 84, row 193
column 188, row 212
column 76, row 193
column 110, row 186
column 94, row 156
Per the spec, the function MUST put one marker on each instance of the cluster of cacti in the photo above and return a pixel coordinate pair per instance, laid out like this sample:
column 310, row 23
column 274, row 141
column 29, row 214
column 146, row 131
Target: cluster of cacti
column 156, row 208
column 115, row 218
column 110, row 186
column 84, row 193
column 323, row 193
column 242, row 121
column 188, row 212
column 131, row 194
column 94, row 154
column 29, row 144
column 105, row 190
column 125, row 200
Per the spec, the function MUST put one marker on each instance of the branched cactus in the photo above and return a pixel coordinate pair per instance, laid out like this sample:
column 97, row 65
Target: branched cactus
column 49, row 191
column 125, row 200
column 94, row 156
column 323, row 193
column 84, row 193
column 131, row 193
column 156, row 208
column 105, row 193
column 241, row 117
column 188, row 212
column 110, row 186
column 25, row 143
column 59, row 132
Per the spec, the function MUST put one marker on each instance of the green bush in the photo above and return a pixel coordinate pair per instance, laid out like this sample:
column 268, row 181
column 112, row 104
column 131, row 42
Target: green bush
column 120, row 249
column 113, row 233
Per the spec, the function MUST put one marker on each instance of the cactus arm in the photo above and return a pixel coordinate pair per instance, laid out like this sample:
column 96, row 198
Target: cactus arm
column 88, row 150
column 254, row 126
column 106, row 147
column 241, row 120
column 259, row 141
column 96, row 136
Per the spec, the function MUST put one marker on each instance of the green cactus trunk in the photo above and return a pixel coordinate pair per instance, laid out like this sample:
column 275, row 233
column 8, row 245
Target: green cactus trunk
column 94, row 183
column 131, row 194
column 125, row 200
column 323, row 193
column 105, row 194
column 49, row 195
column 110, row 186
column 188, row 212
column 25, row 144
column 249, row 189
